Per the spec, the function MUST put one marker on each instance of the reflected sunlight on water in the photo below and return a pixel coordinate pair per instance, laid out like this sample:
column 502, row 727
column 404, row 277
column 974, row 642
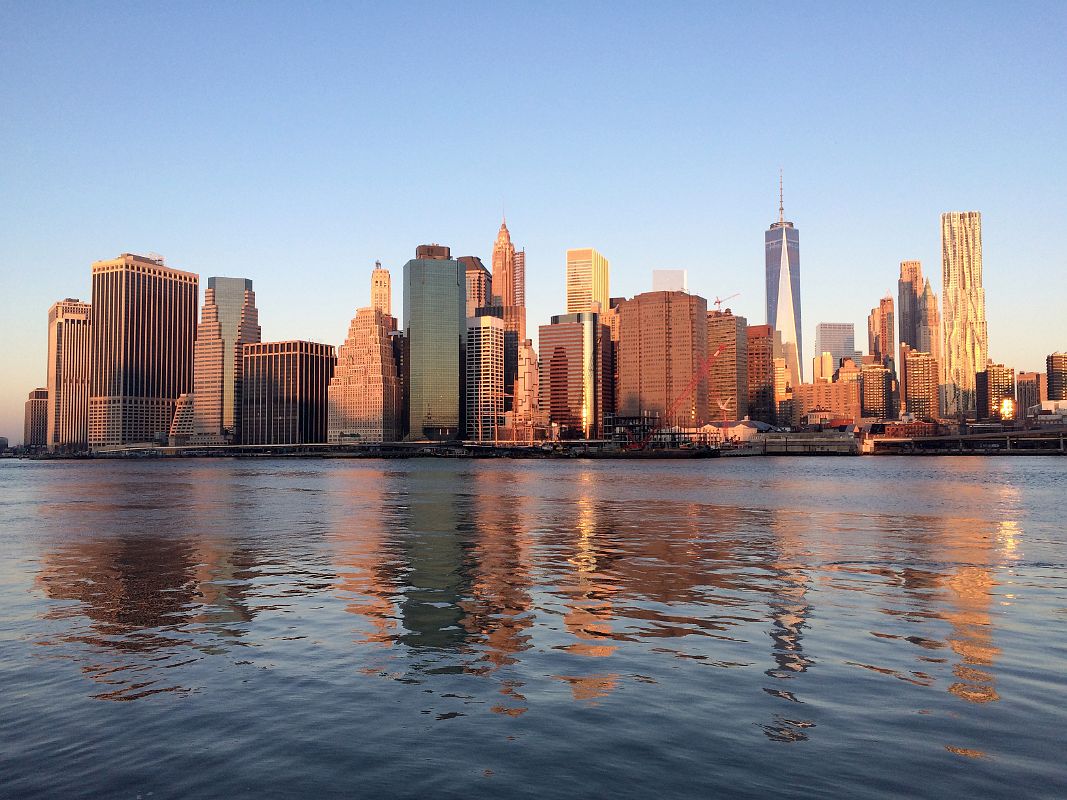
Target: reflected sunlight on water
column 893, row 623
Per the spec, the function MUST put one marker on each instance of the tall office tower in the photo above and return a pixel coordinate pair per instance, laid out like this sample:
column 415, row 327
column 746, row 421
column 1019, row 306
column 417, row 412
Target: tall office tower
column 228, row 321
column 479, row 284
column 966, row 345
column 922, row 378
column 1031, row 388
column 764, row 346
column 663, row 344
column 823, row 368
column 881, row 336
column 838, row 339
column 520, row 277
column 587, row 281
column 364, row 393
column 514, row 319
column 992, row 386
column 503, row 268
column 782, row 247
column 526, row 384
column 610, row 318
column 728, row 375
column 1056, row 372
column 69, row 340
column 928, row 334
column 381, row 290
column 35, row 426
column 284, row 392
column 575, row 362
column 435, row 330
column 143, row 327
column 670, row 280
column 485, row 378
column 876, row 380
column 909, row 293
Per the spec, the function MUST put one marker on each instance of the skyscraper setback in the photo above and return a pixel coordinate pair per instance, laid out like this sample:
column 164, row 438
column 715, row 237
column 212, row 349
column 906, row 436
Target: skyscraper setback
column 782, row 249
column 966, row 346
column 229, row 320
column 143, row 327
column 838, row 339
column 69, row 329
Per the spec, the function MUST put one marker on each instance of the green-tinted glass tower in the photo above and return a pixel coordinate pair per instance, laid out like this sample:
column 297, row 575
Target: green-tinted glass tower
column 435, row 317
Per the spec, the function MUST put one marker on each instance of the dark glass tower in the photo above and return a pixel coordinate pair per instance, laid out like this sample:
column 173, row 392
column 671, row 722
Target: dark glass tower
column 782, row 245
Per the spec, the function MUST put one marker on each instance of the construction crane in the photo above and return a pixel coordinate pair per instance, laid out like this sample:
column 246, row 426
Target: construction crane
column 718, row 301
column 669, row 415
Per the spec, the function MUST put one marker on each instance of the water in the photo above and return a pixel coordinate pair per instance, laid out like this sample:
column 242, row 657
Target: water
column 812, row 627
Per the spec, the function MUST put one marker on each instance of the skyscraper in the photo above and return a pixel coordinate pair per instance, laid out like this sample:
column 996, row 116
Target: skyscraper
column 69, row 341
column 526, row 384
column 1031, row 388
column 728, row 375
column 587, row 281
column 838, row 339
column 228, row 321
column 143, row 327
column 663, row 344
column 35, row 426
column 435, row 327
column 479, row 284
column 364, row 394
column 782, row 247
column 909, row 292
column 520, row 277
column 966, row 346
column 284, row 392
column 764, row 348
column 485, row 377
column 992, row 386
column 921, row 381
column 572, row 384
column 928, row 324
column 1056, row 372
column 876, row 399
column 881, row 334
column 381, row 290
column 503, row 268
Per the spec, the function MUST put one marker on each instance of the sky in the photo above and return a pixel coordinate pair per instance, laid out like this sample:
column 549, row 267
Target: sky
column 297, row 146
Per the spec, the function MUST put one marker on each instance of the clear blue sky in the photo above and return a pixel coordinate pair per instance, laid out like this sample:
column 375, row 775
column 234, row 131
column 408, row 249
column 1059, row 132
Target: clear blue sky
column 295, row 148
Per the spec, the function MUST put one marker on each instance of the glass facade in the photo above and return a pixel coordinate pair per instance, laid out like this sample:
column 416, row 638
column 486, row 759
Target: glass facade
column 230, row 300
column 435, row 323
column 782, row 244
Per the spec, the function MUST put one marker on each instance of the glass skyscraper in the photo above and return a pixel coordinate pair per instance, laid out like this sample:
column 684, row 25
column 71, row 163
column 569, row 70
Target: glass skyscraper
column 435, row 324
column 782, row 246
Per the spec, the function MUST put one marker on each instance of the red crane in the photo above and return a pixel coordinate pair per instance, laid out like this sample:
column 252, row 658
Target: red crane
column 718, row 301
column 665, row 419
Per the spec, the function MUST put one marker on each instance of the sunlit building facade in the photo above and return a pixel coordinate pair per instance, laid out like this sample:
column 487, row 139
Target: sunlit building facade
column 764, row 345
column 381, row 290
column 921, row 378
column 575, row 359
column 69, row 343
column 876, row 397
column 881, row 336
column 479, row 284
column 587, row 281
column 364, row 395
column 485, row 378
column 992, row 385
column 840, row 400
column 1031, row 388
column 965, row 343
column 728, row 373
column 435, row 330
column 663, row 344
column 143, row 330
column 284, row 398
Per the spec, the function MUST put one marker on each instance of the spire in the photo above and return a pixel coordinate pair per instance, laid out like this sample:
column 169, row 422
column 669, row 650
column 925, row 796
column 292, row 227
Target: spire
column 781, row 198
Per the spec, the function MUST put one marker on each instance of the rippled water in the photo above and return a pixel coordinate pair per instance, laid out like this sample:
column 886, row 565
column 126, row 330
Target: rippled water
column 750, row 627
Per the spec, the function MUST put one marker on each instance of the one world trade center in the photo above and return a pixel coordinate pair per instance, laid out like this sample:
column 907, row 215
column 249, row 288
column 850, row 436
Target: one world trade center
column 782, row 243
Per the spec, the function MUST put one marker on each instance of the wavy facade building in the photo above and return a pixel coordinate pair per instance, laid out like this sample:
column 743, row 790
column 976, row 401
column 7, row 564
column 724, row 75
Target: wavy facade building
column 965, row 350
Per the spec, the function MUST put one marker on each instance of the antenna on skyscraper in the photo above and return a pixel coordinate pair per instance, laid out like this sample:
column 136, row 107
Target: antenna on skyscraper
column 781, row 198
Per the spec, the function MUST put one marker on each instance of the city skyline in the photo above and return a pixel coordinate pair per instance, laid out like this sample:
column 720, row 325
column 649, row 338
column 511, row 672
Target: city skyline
column 298, row 208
